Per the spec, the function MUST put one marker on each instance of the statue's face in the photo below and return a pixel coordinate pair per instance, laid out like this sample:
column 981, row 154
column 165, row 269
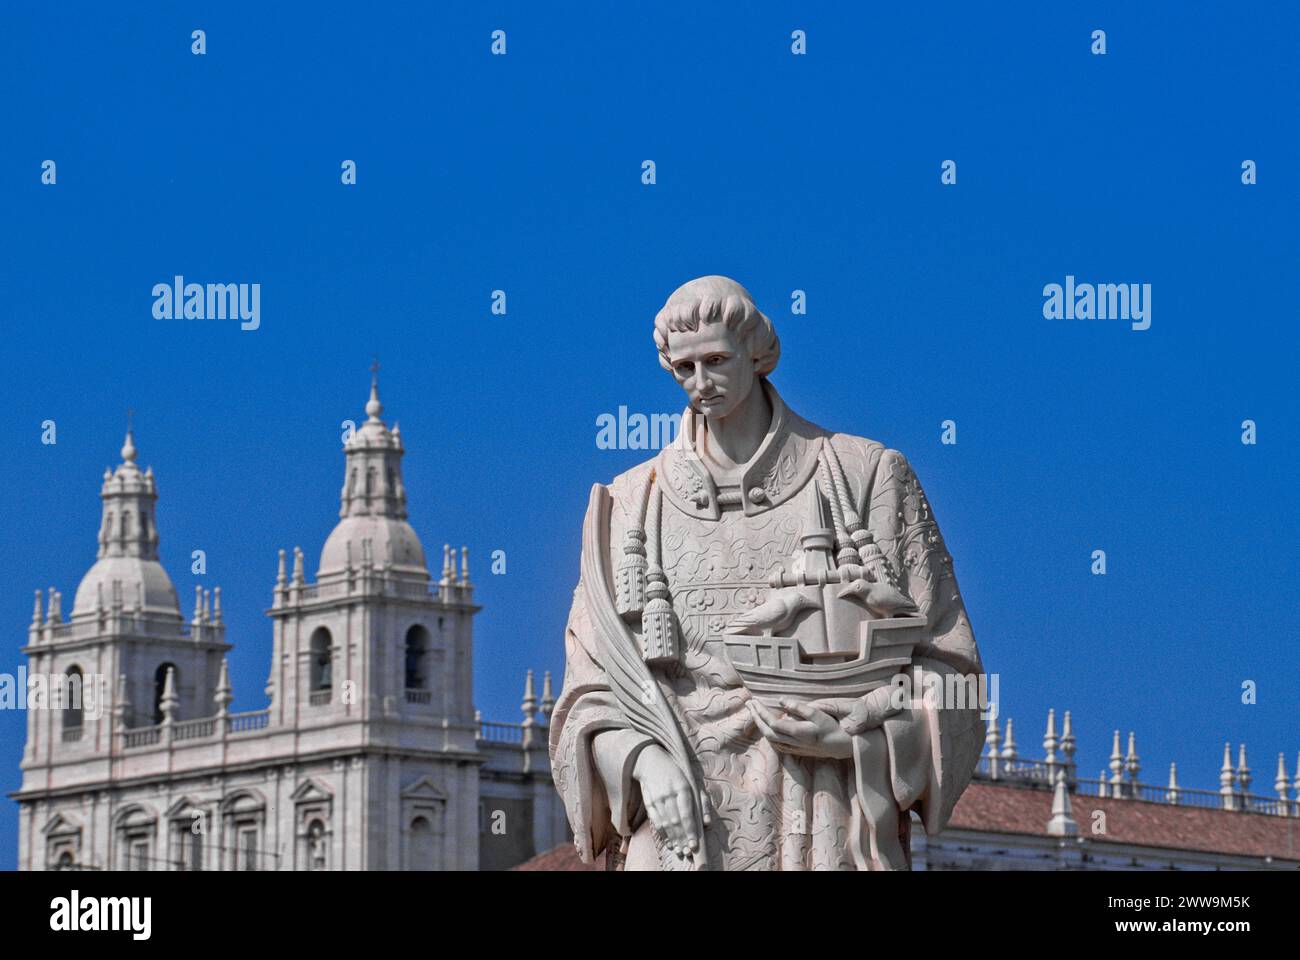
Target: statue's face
column 713, row 366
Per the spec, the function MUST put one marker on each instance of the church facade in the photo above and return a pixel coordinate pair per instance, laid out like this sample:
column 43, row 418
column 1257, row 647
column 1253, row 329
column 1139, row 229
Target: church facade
column 370, row 754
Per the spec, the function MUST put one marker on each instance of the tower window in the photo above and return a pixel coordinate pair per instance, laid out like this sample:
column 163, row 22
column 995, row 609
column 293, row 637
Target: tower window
column 72, row 699
column 417, row 648
column 322, row 661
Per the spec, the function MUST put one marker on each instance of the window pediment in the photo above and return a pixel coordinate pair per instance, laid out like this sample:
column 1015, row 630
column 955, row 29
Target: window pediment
column 60, row 824
column 423, row 789
column 310, row 790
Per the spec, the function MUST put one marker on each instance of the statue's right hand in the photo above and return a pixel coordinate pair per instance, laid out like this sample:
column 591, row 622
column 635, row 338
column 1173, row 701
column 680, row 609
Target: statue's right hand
column 668, row 799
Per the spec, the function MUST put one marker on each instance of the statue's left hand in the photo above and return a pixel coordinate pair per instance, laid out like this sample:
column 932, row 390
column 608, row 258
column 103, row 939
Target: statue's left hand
column 805, row 731
column 857, row 714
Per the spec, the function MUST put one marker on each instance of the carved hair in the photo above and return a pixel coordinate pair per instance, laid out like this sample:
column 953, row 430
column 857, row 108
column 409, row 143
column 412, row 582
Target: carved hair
column 713, row 300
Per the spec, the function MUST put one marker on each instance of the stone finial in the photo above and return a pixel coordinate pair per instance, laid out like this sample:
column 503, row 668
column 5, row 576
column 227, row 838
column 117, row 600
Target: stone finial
column 1225, row 778
column 464, row 566
column 448, row 570
column 529, row 708
column 1062, row 823
column 1243, row 771
column 280, row 578
column 1009, row 743
column 1049, row 738
column 298, row 578
column 1067, row 740
column 198, row 606
column 529, row 705
column 224, row 697
column 373, row 407
column 36, row 611
column 548, row 698
column 216, row 604
column 122, row 704
column 207, row 606
column 1280, row 784
column 53, row 613
column 1131, row 765
column 991, row 739
column 1295, row 784
column 1172, row 794
column 1102, row 781
column 169, row 701
column 1116, row 768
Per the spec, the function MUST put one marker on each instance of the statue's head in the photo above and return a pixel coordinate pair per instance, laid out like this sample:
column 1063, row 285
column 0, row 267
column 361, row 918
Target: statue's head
column 715, row 343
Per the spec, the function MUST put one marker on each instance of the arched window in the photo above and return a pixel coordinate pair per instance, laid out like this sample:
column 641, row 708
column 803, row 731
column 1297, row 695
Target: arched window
column 322, row 661
column 72, row 700
column 417, row 647
column 160, row 685
column 136, row 829
column 423, row 845
column 317, row 852
column 244, row 825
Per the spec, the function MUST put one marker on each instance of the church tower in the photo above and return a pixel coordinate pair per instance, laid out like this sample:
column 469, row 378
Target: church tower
column 124, row 643
column 374, row 648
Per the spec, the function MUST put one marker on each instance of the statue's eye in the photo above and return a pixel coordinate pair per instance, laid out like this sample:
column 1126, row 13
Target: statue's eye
column 684, row 368
column 716, row 360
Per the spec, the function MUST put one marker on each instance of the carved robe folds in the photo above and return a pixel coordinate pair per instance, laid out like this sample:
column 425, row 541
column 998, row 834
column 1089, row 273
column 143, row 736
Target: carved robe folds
column 719, row 548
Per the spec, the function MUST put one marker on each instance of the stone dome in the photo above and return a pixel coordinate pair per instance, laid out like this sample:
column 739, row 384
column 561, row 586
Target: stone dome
column 141, row 579
column 384, row 533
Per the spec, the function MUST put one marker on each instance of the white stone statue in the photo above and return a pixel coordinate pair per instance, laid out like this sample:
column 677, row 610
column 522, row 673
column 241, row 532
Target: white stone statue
column 748, row 643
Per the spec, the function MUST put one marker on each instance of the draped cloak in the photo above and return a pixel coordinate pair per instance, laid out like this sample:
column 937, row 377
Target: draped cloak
column 767, row 810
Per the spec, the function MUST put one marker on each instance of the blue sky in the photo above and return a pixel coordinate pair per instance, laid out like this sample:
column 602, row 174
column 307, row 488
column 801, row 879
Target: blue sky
column 820, row 173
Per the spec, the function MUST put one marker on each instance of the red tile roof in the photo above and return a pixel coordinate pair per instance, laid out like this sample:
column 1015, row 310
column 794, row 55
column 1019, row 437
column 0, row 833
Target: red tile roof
column 1006, row 809
column 1000, row 808
column 564, row 857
